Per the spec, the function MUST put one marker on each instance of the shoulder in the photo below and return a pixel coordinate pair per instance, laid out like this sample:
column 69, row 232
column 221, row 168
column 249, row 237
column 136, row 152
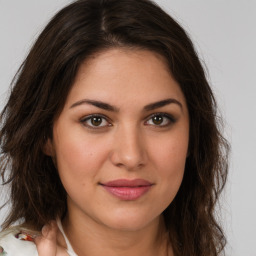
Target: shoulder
column 14, row 242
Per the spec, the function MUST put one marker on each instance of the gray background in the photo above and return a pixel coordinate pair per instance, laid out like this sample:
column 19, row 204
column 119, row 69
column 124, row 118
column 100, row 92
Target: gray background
column 225, row 37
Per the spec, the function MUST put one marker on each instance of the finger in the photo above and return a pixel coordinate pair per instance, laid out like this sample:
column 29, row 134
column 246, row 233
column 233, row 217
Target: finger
column 47, row 243
column 50, row 231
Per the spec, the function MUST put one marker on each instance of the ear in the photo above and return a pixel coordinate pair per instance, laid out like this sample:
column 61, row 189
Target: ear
column 48, row 148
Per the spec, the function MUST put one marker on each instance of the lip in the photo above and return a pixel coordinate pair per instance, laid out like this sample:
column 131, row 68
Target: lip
column 127, row 189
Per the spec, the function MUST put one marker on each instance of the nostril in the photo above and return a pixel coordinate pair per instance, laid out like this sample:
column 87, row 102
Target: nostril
column 119, row 165
column 129, row 152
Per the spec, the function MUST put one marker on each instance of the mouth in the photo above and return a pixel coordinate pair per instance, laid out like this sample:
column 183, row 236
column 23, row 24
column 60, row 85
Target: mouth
column 127, row 190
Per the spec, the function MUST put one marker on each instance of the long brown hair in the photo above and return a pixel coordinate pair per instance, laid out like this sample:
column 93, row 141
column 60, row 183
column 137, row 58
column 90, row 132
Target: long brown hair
column 43, row 82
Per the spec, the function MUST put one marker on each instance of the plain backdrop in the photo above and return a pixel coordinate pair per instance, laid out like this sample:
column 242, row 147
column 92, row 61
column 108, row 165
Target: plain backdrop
column 224, row 34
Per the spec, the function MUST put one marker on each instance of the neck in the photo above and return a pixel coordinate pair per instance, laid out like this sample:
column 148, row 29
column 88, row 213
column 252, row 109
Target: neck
column 88, row 237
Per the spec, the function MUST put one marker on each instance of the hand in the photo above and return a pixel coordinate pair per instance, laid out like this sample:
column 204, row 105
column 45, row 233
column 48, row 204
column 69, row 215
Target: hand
column 47, row 244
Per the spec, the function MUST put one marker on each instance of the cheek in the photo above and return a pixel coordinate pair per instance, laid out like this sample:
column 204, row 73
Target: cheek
column 171, row 152
column 170, row 156
column 78, row 158
column 79, row 162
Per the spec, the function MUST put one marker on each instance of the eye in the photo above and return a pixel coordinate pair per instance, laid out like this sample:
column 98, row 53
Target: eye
column 160, row 119
column 95, row 121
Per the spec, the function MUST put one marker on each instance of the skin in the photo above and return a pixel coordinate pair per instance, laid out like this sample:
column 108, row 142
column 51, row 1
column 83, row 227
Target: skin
column 126, row 142
column 51, row 242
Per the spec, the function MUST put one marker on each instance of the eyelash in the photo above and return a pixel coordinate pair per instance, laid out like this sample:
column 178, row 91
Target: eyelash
column 90, row 118
column 166, row 118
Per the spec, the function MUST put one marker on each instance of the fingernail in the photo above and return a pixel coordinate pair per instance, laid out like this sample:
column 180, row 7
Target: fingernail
column 45, row 230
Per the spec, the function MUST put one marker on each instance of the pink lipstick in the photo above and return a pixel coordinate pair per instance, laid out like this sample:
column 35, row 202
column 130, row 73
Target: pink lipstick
column 127, row 189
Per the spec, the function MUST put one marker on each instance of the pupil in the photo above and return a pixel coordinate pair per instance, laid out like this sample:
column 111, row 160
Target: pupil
column 96, row 121
column 157, row 119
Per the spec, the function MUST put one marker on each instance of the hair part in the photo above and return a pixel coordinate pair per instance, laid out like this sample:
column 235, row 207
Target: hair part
column 77, row 32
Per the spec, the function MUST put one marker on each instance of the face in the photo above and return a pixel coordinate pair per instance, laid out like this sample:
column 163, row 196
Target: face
column 121, row 141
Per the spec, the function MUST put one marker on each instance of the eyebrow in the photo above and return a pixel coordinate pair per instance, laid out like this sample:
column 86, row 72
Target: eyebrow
column 108, row 107
column 96, row 103
column 162, row 103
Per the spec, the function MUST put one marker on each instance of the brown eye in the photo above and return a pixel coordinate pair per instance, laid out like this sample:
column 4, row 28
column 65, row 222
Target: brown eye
column 160, row 119
column 95, row 122
column 157, row 120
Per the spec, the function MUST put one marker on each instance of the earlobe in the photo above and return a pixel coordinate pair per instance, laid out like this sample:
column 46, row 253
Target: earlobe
column 48, row 148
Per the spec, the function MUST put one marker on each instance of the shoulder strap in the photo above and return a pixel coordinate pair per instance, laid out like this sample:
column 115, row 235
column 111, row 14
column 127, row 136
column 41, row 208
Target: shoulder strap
column 70, row 249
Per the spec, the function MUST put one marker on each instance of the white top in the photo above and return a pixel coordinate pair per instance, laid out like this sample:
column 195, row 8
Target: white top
column 70, row 250
column 13, row 246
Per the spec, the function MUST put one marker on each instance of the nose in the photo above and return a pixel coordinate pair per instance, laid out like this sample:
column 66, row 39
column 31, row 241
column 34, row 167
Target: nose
column 129, row 149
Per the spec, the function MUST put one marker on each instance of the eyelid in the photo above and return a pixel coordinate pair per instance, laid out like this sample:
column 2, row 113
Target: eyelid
column 88, row 117
column 163, row 114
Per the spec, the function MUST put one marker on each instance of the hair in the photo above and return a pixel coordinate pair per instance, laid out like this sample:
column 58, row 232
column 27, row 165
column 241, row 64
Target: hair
column 41, row 86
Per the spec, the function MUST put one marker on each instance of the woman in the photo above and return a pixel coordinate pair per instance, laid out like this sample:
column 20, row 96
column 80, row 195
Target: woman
column 111, row 130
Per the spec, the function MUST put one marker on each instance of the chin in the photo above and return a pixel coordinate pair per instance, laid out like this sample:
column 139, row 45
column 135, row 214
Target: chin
column 130, row 221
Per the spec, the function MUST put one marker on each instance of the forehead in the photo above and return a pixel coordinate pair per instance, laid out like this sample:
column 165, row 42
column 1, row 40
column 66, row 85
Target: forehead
column 121, row 74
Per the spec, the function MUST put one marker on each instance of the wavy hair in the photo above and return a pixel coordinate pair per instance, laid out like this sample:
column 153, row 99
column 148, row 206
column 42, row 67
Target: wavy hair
column 40, row 89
